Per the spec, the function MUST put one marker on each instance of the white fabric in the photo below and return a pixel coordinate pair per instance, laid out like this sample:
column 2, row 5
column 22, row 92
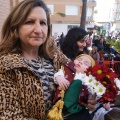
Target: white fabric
column 99, row 115
column 59, row 73
column 79, row 76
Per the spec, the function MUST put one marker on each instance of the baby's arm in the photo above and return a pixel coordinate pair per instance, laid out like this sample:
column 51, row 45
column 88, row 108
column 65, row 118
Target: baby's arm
column 59, row 79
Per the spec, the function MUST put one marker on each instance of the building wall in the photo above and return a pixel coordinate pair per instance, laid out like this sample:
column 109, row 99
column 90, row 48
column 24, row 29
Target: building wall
column 4, row 11
column 59, row 6
column 116, row 13
column 57, row 29
column 57, row 21
column 61, row 24
column 5, row 8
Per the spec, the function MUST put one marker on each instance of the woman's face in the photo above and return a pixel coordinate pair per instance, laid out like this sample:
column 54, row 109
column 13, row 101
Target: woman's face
column 82, row 63
column 33, row 32
column 82, row 43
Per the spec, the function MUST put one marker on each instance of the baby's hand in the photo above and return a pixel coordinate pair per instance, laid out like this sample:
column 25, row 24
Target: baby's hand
column 62, row 82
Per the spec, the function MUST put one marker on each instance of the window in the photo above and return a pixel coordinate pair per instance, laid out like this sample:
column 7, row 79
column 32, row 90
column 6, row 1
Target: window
column 89, row 11
column 51, row 8
column 89, row 14
column 71, row 10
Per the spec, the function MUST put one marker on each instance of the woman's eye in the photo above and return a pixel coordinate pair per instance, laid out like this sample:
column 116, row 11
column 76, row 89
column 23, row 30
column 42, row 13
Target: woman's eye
column 82, row 41
column 43, row 23
column 28, row 22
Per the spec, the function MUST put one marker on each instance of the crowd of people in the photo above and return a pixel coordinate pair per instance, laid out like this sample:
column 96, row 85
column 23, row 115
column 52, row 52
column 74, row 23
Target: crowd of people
column 106, row 51
column 29, row 59
column 101, row 50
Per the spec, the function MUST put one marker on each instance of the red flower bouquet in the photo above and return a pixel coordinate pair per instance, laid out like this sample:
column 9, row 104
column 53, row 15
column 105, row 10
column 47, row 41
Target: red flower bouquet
column 108, row 80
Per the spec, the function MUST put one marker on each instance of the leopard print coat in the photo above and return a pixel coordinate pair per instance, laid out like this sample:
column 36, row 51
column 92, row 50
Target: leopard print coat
column 21, row 93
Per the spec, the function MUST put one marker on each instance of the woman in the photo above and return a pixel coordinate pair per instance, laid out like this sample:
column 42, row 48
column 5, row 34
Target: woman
column 95, row 55
column 27, row 57
column 72, row 46
column 26, row 65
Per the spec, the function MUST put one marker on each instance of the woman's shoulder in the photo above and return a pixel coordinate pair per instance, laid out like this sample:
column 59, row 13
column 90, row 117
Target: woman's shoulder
column 9, row 57
column 10, row 61
column 59, row 59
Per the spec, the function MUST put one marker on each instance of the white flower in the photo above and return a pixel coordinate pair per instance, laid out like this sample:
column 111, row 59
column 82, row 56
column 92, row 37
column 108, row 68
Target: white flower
column 100, row 89
column 91, row 80
column 91, row 89
column 93, row 86
column 117, row 81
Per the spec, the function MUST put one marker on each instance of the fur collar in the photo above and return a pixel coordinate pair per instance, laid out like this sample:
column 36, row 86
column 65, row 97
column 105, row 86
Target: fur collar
column 11, row 61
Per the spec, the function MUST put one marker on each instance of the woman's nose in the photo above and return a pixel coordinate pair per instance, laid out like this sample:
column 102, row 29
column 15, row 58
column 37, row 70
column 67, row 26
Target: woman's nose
column 84, row 44
column 37, row 28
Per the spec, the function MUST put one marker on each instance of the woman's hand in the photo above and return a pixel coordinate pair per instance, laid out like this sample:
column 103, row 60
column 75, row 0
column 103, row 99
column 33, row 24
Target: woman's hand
column 91, row 103
column 107, row 106
column 62, row 82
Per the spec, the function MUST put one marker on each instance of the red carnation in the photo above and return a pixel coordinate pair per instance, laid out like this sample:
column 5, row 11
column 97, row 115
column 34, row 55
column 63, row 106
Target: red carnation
column 106, row 77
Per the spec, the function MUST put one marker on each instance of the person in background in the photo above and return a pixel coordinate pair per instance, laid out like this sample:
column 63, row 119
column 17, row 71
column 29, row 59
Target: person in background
column 112, row 53
column 57, row 41
column 116, row 68
column 61, row 38
column 108, row 111
column 100, row 113
column 95, row 55
column 95, row 40
column 104, row 42
column 27, row 63
column 114, row 114
column 100, row 44
column 74, row 42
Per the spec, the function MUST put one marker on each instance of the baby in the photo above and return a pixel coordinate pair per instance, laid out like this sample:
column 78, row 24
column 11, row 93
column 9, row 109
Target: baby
column 72, row 84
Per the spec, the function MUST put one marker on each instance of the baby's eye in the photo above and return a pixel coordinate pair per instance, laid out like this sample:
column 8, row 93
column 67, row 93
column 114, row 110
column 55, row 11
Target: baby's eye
column 86, row 63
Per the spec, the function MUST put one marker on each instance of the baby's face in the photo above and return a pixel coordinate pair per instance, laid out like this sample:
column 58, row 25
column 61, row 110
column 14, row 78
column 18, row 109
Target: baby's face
column 82, row 63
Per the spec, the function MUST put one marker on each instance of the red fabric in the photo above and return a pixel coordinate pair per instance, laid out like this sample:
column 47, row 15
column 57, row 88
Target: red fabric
column 116, row 68
column 101, row 54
